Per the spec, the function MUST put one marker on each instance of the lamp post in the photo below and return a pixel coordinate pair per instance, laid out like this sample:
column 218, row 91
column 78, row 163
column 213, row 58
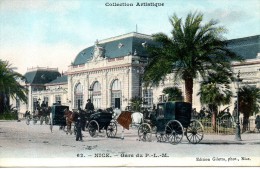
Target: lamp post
column 237, row 134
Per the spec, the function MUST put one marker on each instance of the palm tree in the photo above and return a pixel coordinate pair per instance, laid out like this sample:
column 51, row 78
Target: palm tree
column 194, row 49
column 174, row 93
column 136, row 103
column 215, row 92
column 9, row 86
column 248, row 97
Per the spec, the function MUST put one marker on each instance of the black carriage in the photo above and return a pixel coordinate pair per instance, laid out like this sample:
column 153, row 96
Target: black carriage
column 101, row 121
column 57, row 115
column 170, row 121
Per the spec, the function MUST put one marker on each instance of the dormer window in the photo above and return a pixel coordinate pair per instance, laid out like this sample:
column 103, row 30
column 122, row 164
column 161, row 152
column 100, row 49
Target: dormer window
column 120, row 45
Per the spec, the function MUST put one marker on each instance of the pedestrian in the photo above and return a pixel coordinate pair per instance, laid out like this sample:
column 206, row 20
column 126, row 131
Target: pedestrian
column 89, row 106
column 26, row 113
column 78, row 127
column 82, row 119
column 202, row 113
column 257, row 122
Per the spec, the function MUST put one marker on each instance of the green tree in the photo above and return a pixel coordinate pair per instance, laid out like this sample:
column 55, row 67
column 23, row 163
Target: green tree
column 216, row 92
column 174, row 93
column 193, row 49
column 248, row 97
column 136, row 103
column 9, row 86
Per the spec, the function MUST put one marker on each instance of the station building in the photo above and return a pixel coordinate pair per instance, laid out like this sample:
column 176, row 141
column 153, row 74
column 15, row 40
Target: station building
column 110, row 71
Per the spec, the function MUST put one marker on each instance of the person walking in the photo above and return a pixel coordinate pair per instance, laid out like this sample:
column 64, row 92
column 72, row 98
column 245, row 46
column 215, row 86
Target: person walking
column 78, row 127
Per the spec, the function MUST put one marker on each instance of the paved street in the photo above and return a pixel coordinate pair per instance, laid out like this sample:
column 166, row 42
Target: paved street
column 36, row 145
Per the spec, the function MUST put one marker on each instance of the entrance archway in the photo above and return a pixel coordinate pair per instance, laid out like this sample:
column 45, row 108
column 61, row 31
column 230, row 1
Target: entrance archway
column 116, row 94
column 78, row 96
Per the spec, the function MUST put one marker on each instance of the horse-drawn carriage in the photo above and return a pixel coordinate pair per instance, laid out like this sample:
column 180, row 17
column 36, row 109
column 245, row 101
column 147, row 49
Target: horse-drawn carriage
column 94, row 122
column 57, row 115
column 168, row 123
column 101, row 120
column 40, row 114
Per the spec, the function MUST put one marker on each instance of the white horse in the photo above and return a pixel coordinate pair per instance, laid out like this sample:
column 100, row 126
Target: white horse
column 137, row 118
column 116, row 113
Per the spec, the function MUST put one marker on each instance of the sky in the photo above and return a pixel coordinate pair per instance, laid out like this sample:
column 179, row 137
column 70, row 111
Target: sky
column 48, row 33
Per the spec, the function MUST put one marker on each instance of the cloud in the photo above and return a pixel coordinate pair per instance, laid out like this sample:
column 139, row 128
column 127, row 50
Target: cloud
column 228, row 17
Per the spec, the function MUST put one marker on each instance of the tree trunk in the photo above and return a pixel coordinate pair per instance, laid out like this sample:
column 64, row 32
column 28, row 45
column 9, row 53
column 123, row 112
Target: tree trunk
column 188, row 90
column 213, row 120
column 1, row 103
column 245, row 124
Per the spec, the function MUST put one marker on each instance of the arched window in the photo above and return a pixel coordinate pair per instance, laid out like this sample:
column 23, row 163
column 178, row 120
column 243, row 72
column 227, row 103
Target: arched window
column 116, row 94
column 97, row 95
column 78, row 96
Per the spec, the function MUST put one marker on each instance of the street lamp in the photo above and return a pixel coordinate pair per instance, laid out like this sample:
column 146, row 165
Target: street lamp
column 237, row 133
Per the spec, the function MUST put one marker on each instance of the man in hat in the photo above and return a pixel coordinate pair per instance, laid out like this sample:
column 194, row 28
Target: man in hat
column 89, row 106
column 78, row 127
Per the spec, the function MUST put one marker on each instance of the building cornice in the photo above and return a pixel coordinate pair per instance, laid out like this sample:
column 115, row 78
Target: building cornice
column 246, row 63
column 132, row 34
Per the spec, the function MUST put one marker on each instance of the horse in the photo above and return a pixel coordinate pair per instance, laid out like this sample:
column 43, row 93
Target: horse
column 137, row 118
column 70, row 118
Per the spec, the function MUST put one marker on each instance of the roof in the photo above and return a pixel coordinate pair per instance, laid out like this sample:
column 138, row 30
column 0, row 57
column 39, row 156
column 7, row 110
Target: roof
column 59, row 80
column 123, row 45
column 41, row 76
column 131, row 44
column 247, row 47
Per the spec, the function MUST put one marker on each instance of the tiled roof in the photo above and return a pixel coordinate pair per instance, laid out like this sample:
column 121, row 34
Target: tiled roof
column 61, row 79
column 131, row 43
column 247, row 47
column 41, row 76
column 118, row 47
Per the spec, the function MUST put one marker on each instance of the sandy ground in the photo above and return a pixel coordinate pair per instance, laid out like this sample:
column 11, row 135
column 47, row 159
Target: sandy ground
column 35, row 145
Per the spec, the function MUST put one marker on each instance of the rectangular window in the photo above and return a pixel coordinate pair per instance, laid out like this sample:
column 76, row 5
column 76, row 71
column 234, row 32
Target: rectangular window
column 35, row 101
column 148, row 98
column 115, row 101
column 46, row 100
column 58, row 99
column 78, row 98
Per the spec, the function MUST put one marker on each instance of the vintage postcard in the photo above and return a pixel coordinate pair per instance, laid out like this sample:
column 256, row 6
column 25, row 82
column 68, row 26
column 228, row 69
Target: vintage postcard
column 129, row 83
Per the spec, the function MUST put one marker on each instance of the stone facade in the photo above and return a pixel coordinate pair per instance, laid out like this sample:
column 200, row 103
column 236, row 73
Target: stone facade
column 109, row 73
column 107, row 81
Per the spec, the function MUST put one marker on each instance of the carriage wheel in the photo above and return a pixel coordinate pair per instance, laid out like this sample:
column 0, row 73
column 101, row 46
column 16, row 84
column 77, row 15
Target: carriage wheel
column 93, row 128
column 174, row 132
column 145, row 132
column 161, row 137
column 194, row 132
column 27, row 120
column 111, row 129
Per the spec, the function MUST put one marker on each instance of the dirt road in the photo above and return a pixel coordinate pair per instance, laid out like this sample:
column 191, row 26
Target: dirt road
column 36, row 145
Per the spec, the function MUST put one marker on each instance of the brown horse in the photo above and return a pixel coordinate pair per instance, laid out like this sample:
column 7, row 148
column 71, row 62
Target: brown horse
column 70, row 118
